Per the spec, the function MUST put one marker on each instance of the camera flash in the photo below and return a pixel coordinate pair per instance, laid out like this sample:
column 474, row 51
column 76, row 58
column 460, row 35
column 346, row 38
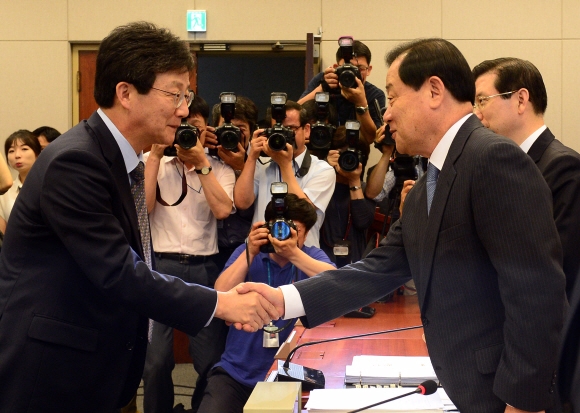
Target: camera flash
column 322, row 97
column 228, row 97
column 278, row 98
column 352, row 125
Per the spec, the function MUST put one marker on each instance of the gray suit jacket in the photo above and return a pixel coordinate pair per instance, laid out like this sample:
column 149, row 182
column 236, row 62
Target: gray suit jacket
column 74, row 296
column 560, row 167
column 488, row 273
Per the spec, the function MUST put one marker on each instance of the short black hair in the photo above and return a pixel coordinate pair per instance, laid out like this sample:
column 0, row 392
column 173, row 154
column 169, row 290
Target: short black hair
column 136, row 53
column 246, row 111
column 49, row 133
column 359, row 49
column 514, row 74
column 298, row 210
column 27, row 138
column 290, row 105
column 199, row 107
column 434, row 57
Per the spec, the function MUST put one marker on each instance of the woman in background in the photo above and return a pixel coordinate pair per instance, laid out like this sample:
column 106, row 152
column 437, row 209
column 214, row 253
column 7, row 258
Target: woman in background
column 21, row 149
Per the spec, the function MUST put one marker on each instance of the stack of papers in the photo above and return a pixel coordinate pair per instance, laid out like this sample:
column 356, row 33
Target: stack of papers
column 389, row 371
column 345, row 400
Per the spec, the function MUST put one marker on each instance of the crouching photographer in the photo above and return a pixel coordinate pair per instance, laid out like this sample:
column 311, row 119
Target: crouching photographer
column 248, row 357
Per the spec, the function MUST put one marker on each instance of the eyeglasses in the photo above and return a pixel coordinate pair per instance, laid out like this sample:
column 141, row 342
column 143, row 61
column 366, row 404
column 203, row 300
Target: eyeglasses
column 362, row 68
column 480, row 101
column 294, row 127
column 179, row 96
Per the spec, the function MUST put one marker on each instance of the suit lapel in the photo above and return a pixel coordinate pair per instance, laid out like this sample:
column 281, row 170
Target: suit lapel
column 540, row 145
column 111, row 152
column 444, row 185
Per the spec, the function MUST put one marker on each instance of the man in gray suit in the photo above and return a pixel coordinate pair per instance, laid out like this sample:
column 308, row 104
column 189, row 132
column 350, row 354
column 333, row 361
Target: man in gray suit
column 478, row 238
column 511, row 99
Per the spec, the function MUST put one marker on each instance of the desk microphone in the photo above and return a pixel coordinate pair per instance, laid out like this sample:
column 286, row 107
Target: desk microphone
column 426, row 388
column 314, row 379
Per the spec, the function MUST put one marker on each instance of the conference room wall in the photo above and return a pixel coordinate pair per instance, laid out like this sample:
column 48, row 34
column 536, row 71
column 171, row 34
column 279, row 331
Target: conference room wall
column 37, row 79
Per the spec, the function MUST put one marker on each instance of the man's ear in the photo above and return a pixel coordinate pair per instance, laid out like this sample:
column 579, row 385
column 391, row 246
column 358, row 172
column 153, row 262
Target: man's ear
column 123, row 92
column 307, row 130
column 523, row 97
column 436, row 90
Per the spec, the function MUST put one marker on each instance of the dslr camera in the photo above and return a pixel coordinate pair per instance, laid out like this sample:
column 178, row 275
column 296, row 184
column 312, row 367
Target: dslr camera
column 227, row 134
column 347, row 73
column 278, row 135
column 321, row 133
column 352, row 156
column 186, row 136
column 280, row 227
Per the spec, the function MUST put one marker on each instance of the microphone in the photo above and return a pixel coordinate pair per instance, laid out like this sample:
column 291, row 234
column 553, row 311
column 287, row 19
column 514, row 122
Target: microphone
column 426, row 388
column 314, row 379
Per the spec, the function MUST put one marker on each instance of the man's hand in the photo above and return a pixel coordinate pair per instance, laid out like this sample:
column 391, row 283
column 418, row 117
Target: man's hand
column 157, row 151
column 282, row 158
column 211, row 140
column 193, row 156
column 330, row 77
column 407, row 185
column 273, row 295
column 353, row 177
column 256, row 145
column 249, row 311
column 258, row 236
column 356, row 96
column 287, row 248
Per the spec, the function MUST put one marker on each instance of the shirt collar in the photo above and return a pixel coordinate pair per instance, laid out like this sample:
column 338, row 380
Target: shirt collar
column 129, row 156
column 527, row 144
column 442, row 149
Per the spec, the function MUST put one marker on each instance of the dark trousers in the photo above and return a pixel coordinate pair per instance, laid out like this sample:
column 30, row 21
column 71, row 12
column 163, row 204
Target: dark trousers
column 205, row 348
column 223, row 394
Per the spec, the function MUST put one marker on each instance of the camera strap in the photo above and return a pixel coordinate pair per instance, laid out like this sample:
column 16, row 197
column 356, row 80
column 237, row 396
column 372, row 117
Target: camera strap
column 305, row 167
column 183, row 191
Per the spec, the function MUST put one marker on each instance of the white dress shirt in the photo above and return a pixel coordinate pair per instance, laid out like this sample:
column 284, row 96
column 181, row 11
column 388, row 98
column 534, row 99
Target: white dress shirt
column 8, row 198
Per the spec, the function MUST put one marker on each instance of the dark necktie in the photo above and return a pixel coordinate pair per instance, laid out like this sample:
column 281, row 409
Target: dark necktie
column 432, row 174
column 138, row 192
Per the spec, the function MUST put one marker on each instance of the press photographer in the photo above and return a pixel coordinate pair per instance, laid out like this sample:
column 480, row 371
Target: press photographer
column 323, row 121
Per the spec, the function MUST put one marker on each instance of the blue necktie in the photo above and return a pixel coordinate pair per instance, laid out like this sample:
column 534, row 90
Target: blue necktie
column 432, row 174
column 138, row 192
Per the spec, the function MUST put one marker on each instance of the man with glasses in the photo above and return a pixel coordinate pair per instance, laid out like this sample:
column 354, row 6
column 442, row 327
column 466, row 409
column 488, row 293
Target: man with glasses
column 76, row 286
column 352, row 103
column 306, row 175
column 511, row 100
column 184, row 233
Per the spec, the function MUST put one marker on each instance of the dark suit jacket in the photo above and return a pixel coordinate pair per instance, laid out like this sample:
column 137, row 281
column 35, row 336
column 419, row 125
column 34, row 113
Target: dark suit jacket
column 560, row 167
column 488, row 273
column 569, row 372
column 74, row 298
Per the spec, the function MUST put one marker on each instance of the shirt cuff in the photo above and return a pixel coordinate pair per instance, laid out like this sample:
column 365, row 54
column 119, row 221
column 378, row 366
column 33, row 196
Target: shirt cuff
column 293, row 307
column 214, row 310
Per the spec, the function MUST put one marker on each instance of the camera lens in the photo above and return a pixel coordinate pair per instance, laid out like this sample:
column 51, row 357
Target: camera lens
column 320, row 137
column 229, row 140
column 186, row 138
column 280, row 230
column 277, row 141
column 347, row 79
column 348, row 161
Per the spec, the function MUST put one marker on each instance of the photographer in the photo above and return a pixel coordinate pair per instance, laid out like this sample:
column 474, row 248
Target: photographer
column 351, row 103
column 246, row 359
column 186, row 194
column 349, row 213
column 323, row 121
column 307, row 176
column 233, row 229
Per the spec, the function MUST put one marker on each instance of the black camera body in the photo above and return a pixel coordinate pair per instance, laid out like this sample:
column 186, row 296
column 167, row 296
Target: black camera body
column 387, row 140
column 352, row 156
column 347, row 73
column 186, row 136
column 280, row 227
column 228, row 135
column 279, row 135
column 321, row 133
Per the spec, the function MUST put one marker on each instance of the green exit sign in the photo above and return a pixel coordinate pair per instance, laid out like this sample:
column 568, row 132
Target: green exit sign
column 196, row 21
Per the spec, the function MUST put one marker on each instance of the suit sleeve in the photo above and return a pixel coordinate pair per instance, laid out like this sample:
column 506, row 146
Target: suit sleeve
column 355, row 285
column 523, row 246
column 78, row 197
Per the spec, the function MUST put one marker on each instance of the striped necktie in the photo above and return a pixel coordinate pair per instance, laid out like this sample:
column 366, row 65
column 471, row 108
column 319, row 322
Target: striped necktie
column 432, row 174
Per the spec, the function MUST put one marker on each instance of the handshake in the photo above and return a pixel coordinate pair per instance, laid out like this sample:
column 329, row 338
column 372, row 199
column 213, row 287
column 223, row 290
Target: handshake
column 250, row 306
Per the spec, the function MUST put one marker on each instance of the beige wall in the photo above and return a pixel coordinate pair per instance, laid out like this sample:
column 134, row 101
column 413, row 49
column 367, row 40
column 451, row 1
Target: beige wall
column 36, row 76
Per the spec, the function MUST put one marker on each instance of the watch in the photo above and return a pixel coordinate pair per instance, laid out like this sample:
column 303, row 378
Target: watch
column 204, row 171
column 361, row 110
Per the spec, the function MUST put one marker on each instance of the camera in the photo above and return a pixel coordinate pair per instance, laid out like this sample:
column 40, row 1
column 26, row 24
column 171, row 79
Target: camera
column 321, row 133
column 347, row 73
column 280, row 227
column 186, row 136
column 352, row 156
column 278, row 135
column 387, row 140
column 227, row 134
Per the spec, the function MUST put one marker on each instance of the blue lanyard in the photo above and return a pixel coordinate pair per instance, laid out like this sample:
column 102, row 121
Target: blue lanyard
column 293, row 274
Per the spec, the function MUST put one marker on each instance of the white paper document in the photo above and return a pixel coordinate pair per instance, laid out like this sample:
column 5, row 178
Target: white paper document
column 389, row 370
column 345, row 400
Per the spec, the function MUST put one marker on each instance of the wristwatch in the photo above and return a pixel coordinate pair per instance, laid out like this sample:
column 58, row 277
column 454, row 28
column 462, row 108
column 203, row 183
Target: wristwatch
column 361, row 110
column 204, row 171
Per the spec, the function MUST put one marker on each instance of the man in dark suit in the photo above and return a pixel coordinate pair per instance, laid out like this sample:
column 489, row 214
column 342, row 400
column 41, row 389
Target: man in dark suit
column 478, row 239
column 75, row 292
column 511, row 100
